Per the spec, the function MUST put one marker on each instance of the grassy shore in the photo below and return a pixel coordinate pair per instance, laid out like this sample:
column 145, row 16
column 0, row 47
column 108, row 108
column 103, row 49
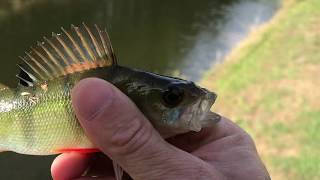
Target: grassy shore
column 270, row 85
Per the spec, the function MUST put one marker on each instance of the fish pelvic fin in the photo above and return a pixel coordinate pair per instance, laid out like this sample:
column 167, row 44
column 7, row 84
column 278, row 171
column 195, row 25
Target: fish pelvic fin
column 118, row 171
column 76, row 50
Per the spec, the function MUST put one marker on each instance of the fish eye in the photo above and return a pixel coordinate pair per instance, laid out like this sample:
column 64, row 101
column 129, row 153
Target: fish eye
column 173, row 96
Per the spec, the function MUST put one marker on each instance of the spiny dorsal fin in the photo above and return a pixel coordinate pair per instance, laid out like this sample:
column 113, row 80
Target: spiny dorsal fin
column 77, row 50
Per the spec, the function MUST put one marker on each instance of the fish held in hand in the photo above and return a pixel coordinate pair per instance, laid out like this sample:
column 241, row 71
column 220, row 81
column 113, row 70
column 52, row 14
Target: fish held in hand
column 37, row 117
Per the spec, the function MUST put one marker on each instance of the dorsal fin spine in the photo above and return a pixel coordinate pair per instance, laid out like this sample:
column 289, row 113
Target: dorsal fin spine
column 104, row 45
column 32, row 67
column 28, row 73
column 77, row 47
column 45, row 60
column 67, row 49
column 94, row 41
column 110, row 48
column 57, row 50
column 52, row 58
column 24, row 80
column 38, row 64
column 84, row 42
column 78, row 50
column 104, row 37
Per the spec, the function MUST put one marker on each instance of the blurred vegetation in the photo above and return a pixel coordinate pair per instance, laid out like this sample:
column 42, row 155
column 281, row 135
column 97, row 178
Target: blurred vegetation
column 270, row 86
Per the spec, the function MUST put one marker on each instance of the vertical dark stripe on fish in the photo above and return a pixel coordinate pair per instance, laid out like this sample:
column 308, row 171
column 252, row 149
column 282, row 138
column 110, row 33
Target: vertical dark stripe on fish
column 68, row 84
column 27, row 119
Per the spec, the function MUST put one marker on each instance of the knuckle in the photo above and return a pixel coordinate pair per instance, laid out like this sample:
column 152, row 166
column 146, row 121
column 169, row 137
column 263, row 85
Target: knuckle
column 128, row 136
column 244, row 138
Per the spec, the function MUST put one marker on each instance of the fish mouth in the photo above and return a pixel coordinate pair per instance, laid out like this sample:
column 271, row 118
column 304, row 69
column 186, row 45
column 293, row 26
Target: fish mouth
column 199, row 115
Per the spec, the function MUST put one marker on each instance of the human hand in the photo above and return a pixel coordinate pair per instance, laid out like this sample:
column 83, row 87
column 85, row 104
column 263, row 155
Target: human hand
column 122, row 132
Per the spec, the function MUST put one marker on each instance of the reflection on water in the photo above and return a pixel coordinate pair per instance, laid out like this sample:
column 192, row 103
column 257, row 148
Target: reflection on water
column 160, row 36
column 216, row 38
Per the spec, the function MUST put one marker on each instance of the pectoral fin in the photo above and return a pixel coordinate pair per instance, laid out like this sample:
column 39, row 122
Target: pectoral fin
column 118, row 171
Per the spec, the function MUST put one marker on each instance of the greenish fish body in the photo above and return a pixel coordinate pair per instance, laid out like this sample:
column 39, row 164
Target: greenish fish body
column 37, row 117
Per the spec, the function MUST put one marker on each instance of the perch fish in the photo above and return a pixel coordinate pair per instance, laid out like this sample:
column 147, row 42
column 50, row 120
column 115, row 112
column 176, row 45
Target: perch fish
column 37, row 118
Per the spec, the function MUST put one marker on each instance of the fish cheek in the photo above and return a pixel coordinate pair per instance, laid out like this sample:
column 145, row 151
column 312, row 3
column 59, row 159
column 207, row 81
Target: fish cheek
column 161, row 117
column 165, row 120
column 147, row 103
column 154, row 112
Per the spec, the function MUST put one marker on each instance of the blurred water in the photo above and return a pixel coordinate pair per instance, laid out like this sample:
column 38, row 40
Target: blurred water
column 161, row 36
column 216, row 38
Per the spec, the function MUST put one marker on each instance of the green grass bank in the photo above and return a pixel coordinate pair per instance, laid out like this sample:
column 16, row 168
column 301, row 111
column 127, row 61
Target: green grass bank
column 270, row 85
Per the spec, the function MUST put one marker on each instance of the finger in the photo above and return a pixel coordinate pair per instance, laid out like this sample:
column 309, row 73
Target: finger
column 95, row 178
column 69, row 166
column 192, row 140
column 119, row 129
column 74, row 165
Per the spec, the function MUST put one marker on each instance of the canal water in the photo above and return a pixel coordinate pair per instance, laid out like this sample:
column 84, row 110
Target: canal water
column 184, row 38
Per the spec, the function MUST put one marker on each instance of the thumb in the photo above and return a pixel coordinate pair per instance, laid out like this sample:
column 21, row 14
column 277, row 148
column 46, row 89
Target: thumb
column 115, row 125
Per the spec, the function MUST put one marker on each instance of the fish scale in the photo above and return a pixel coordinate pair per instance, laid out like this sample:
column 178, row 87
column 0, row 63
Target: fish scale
column 44, row 125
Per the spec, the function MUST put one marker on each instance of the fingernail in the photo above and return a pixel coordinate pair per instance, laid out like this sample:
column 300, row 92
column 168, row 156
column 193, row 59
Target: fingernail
column 90, row 96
